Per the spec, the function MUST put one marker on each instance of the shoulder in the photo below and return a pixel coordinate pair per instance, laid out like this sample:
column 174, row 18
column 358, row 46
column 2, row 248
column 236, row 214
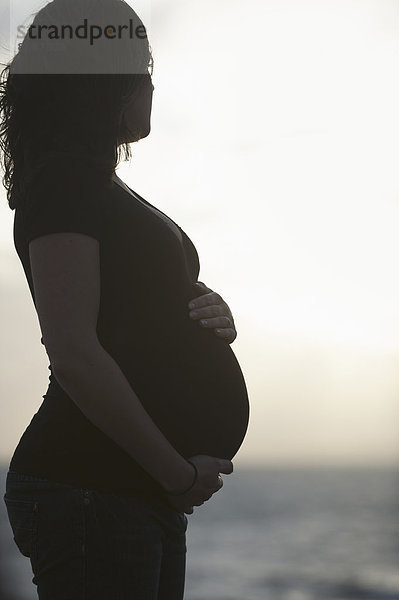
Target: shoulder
column 65, row 196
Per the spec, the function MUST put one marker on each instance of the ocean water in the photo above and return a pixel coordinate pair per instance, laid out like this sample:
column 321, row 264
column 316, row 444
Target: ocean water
column 277, row 534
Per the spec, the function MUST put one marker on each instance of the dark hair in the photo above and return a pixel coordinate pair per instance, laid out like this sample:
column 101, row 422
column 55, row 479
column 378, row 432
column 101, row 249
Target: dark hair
column 54, row 116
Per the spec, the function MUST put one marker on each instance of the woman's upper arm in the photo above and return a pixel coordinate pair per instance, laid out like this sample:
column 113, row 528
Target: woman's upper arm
column 66, row 279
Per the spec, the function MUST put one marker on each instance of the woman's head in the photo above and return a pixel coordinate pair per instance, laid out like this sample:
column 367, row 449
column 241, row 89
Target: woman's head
column 64, row 94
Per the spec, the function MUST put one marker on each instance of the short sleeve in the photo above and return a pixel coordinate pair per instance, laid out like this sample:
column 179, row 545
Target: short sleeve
column 64, row 200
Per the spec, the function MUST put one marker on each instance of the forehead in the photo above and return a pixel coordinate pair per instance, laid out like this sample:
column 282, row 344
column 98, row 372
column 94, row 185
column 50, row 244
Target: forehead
column 85, row 37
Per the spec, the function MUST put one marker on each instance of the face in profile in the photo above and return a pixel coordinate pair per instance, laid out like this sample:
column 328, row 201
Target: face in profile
column 138, row 112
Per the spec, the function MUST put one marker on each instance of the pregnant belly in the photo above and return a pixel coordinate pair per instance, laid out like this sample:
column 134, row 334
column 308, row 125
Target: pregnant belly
column 193, row 388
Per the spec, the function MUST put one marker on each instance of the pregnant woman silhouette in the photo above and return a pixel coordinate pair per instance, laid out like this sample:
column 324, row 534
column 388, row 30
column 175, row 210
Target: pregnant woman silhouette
column 146, row 403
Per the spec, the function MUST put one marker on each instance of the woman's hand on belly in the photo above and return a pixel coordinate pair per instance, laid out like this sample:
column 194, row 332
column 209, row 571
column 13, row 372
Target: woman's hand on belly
column 208, row 482
column 211, row 308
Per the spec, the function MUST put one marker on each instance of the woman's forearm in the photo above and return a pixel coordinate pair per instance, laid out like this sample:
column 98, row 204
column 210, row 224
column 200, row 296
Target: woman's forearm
column 96, row 384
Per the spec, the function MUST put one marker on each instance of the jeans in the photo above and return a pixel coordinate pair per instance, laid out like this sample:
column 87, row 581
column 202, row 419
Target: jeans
column 85, row 544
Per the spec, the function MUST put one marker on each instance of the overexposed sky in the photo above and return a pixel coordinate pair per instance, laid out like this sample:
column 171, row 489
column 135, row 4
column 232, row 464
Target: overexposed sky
column 274, row 145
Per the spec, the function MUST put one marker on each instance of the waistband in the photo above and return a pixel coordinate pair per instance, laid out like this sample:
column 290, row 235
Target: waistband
column 17, row 479
column 25, row 476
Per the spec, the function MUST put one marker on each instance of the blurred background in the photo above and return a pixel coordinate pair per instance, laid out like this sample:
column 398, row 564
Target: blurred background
column 274, row 145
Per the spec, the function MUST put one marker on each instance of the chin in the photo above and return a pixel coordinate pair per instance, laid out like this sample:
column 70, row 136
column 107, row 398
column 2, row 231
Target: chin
column 146, row 133
column 147, row 130
column 142, row 133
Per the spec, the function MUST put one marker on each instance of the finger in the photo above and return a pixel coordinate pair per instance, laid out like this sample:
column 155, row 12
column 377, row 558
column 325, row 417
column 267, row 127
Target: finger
column 205, row 300
column 218, row 485
column 225, row 466
column 214, row 310
column 226, row 334
column 201, row 287
column 220, row 322
column 195, row 303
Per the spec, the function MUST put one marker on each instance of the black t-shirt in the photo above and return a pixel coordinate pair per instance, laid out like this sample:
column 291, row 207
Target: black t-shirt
column 187, row 379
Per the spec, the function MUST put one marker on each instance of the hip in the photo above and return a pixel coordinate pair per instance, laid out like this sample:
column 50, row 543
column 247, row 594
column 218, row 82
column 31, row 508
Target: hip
column 80, row 537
